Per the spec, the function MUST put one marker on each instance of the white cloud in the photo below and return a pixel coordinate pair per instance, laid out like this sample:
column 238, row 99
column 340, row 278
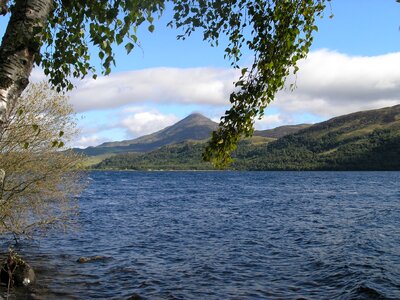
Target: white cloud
column 328, row 84
column 269, row 121
column 144, row 122
column 157, row 85
column 86, row 141
column 37, row 75
column 331, row 84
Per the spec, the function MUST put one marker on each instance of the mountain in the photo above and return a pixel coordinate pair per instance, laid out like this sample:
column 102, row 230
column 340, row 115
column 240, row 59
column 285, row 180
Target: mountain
column 368, row 140
column 193, row 127
column 280, row 131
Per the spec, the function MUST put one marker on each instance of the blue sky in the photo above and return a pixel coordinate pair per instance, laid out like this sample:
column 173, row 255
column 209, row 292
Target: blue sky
column 353, row 65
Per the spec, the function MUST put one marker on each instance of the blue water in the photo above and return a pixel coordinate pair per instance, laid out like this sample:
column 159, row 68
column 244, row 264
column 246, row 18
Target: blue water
column 228, row 235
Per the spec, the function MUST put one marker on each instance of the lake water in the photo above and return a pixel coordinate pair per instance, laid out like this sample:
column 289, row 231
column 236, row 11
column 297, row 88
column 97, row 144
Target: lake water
column 227, row 235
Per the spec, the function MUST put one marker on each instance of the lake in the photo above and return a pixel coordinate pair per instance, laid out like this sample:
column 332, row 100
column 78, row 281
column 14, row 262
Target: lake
column 227, row 235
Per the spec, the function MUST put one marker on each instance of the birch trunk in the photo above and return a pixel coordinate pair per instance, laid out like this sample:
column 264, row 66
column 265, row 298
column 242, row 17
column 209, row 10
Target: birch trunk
column 17, row 52
column 18, row 49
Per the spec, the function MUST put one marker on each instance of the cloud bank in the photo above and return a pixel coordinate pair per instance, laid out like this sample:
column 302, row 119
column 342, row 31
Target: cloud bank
column 145, row 122
column 155, row 85
column 328, row 84
column 86, row 141
column 331, row 84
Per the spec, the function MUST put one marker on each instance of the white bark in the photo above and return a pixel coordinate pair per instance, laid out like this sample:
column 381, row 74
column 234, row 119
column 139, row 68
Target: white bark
column 18, row 50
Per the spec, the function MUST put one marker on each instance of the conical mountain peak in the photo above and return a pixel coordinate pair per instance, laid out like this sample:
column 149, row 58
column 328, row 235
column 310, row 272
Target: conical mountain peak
column 193, row 127
column 195, row 119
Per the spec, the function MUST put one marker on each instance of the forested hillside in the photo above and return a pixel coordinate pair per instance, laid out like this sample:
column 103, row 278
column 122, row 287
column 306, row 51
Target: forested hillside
column 368, row 140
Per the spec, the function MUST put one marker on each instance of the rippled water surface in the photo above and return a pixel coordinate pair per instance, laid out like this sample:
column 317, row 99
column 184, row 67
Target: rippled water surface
column 228, row 235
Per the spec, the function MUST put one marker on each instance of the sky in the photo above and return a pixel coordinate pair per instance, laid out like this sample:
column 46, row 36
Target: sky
column 354, row 64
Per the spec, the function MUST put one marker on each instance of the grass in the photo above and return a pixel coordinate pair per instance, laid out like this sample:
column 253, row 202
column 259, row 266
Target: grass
column 260, row 140
column 94, row 160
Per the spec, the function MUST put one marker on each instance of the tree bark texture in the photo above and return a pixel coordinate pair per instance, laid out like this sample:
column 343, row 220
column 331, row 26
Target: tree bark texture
column 18, row 49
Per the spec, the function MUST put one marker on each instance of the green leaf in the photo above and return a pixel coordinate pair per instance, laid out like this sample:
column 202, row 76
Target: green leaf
column 25, row 145
column 61, row 133
column 119, row 39
column 129, row 47
column 151, row 28
column 107, row 71
column 60, row 144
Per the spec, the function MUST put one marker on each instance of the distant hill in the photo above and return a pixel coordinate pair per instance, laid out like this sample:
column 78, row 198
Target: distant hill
column 193, row 127
column 368, row 140
column 281, row 131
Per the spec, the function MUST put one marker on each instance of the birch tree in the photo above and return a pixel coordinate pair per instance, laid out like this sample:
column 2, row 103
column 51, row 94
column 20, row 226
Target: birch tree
column 62, row 36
